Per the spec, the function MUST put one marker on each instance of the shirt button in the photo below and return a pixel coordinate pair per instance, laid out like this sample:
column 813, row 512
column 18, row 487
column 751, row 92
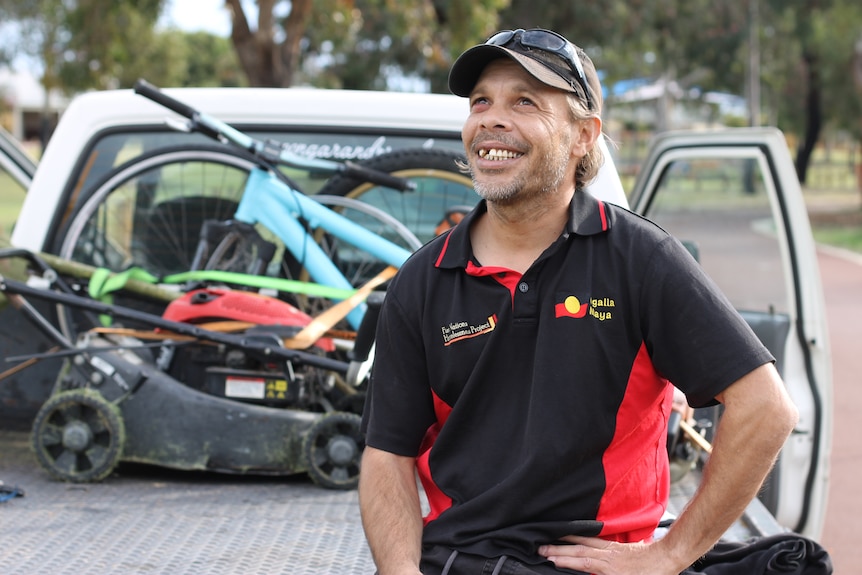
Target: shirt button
column 523, row 287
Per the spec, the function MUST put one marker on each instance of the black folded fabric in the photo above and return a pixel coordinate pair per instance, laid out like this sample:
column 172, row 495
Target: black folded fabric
column 785, row 554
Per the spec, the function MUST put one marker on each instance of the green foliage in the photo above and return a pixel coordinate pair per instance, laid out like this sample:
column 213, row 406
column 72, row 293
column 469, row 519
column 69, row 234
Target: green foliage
column 836, row 34
column 101, row 44
column 361, row 44
column 122, row 47
column 209, row 61
column 699, row 40
column 705, row 43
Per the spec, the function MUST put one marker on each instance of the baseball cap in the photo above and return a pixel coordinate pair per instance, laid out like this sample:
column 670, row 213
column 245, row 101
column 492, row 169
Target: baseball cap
column 546, row 55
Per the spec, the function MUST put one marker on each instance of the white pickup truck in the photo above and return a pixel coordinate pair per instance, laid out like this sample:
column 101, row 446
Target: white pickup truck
column 731, row 195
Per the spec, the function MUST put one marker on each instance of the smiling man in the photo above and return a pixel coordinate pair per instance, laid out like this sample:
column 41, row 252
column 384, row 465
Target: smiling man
column 525, row 357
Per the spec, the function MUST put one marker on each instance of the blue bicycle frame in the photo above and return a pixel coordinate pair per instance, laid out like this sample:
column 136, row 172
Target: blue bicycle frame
column 269, row 201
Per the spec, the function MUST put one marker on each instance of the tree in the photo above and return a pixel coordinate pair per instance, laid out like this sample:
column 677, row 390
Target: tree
column 77, row 55
column 122, row 47
column 266, row 59
column 357, row 43
column 838, row 35
column 695, row 43
column 799, row 16
column 209, row 61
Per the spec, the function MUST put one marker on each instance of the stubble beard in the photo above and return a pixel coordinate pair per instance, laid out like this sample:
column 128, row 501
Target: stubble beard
column 533, row 181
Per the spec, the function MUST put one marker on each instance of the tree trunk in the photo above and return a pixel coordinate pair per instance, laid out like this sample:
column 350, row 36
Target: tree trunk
column 265, row 62
column 255, row 49
column 294, row 28
column 814, row 119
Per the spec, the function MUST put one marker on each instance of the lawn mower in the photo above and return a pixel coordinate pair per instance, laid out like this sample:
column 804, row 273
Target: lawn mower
column 223, row 380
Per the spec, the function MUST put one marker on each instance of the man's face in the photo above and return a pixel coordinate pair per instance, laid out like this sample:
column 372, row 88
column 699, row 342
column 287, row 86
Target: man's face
column 520, row 139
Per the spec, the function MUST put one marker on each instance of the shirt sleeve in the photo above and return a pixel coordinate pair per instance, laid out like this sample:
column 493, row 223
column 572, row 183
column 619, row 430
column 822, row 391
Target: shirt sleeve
column 695, row 337
column 399, row 408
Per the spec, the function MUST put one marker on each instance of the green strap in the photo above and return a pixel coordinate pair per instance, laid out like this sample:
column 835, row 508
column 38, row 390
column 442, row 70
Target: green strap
column 104, row 281
column 278, row 284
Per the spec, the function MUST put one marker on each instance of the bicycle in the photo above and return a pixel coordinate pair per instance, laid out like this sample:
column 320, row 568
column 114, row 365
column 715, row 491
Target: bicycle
column 243, row 180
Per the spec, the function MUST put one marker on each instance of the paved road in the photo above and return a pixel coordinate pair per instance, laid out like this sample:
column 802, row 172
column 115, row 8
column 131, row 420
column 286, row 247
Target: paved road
column 842, row 284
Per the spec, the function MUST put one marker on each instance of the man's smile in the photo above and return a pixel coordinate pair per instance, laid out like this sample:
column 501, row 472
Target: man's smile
column 497, row 154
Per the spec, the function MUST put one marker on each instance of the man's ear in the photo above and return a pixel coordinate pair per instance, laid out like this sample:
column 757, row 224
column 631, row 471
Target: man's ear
column 586, row 133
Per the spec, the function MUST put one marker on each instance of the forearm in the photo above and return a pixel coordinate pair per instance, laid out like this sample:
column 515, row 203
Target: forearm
column 391, row 513
column 758, row 418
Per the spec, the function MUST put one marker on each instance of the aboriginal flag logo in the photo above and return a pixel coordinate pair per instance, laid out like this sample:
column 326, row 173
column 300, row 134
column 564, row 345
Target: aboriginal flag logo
column 571, row 307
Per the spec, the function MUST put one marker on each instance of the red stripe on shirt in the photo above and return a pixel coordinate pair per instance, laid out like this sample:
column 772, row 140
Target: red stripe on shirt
column 637, row 474
column 604, row 216
column 437, row 500
column 443, row 251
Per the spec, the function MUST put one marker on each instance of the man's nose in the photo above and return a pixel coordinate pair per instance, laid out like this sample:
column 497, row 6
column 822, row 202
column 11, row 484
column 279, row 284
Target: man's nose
column 495, row 118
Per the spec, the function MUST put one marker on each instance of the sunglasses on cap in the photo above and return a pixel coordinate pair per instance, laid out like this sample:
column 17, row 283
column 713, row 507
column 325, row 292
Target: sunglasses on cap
column 547, row 41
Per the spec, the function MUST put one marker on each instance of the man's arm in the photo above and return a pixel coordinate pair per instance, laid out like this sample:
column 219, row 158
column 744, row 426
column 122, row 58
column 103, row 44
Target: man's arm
column 391, row 513
column 757, row 419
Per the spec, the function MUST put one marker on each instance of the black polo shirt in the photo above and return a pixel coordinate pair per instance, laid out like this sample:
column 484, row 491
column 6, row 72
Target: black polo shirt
column 537, row 405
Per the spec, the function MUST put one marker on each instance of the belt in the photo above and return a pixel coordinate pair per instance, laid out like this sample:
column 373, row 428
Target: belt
column 455, row 554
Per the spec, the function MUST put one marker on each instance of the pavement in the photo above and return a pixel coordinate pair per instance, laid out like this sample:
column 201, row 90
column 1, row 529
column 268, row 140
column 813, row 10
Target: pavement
column 841, row 276
column 842, row 284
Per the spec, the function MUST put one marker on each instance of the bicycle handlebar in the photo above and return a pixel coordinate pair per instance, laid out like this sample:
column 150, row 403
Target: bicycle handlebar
column 149, row 91
column 208, row 125
column 217, row 129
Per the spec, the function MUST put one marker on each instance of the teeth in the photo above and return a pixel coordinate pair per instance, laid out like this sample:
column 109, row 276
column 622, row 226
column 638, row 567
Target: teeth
column 498, row 155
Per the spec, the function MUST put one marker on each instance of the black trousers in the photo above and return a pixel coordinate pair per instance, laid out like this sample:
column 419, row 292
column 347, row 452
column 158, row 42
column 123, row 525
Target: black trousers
column 784, row 554
column 439, row 560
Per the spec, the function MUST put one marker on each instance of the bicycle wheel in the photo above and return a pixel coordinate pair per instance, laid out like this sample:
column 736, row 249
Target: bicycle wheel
column 148, row 213
column 440, row 186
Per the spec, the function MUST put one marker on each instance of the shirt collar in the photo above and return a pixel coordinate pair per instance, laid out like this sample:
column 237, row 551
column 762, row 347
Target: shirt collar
column 587, row 216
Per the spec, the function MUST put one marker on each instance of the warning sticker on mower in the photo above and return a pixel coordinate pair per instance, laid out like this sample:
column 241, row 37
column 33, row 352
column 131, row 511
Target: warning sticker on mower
column 276, row 389
column 248, row 388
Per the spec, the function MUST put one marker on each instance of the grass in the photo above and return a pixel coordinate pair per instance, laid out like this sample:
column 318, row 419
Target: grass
column 848, row 238
column 11, row 198
column 836, row 217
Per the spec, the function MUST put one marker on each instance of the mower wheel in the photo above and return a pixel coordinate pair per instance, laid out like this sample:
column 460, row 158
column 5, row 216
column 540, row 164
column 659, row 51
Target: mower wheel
column 332, row 449
column 78, row 436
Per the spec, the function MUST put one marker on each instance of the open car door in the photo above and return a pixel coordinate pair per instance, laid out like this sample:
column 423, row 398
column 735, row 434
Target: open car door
column 733, row 198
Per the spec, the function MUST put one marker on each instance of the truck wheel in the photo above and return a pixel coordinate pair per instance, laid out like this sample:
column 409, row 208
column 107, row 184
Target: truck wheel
column 332, row 450
column 78, row 436
column 440, row 186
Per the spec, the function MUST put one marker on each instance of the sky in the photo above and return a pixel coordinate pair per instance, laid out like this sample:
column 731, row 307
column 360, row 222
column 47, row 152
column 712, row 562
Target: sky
column 190, row 15
column 197, row 16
